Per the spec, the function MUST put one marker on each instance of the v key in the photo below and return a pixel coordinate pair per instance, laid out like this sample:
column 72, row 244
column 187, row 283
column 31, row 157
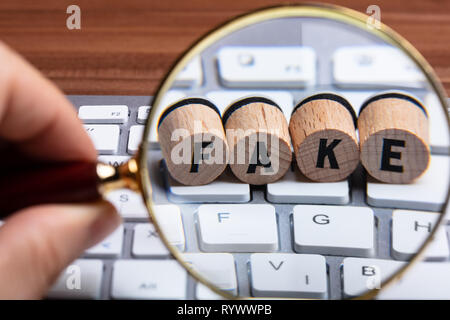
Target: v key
column 276, row 267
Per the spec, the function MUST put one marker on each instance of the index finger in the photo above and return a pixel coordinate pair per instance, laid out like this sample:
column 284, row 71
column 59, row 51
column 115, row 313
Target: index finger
column 35, row 116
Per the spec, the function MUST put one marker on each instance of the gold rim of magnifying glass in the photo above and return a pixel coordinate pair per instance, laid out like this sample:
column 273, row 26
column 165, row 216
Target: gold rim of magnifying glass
column 332, row 12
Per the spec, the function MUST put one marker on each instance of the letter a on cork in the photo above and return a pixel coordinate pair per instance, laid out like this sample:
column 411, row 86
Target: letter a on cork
column 258, row 137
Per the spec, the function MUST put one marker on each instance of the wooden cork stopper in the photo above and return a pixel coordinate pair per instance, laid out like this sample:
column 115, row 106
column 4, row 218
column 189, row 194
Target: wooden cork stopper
column 193, row 141
column 258, row 138
column 323, row 133
column 393, row 134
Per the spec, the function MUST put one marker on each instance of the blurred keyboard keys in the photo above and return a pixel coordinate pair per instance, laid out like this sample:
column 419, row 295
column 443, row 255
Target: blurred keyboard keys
column 191, row 75
column 103, row 114
column 222, row 99
column 439, row 137
column 374, row 66
column 105, row 137
column 109, row 247
column 267, row 67
column 142, row 114
column 115, row 161
column 135, row 138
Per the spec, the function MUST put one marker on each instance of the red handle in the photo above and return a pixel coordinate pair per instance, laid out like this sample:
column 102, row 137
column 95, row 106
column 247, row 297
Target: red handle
column 24, row 185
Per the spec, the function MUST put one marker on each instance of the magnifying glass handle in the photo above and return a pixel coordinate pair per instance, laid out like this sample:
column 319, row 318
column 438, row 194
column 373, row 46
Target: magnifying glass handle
column 41, row 183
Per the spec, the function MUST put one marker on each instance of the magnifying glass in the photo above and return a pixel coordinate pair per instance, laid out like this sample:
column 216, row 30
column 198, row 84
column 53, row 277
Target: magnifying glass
column 293, row 152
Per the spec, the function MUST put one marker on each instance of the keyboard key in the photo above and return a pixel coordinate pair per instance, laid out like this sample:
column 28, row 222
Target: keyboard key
column 374, row 66
column 447, row 215
column 427, row 193
column 109, row 247
column 217, row 268
column 287, row 275
column 232, row 228
column 104, row 136
column 202, row 292
column 226, row 188
column 409, row 231
column 294, row 187
column 264, row 67
column 223, row 99
column 128, row 203
column 426, row 280
column 142, row 114
column 171, row 97
column 115, row 161
column 148, row 279
column 191, row 75
column 170, row 222
column 135, row 138
column 146, row 240
column 346, row 231
column 439, row 137
column 103, row 114
column 80, row 280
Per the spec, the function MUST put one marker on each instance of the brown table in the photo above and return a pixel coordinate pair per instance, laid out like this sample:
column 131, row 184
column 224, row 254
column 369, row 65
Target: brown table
column 125, row 46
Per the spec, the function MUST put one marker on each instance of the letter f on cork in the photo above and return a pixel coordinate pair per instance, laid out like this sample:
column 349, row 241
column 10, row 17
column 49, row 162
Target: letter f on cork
column 193, row 141
column 394, row 137
column 258, row 137
column 323, row 131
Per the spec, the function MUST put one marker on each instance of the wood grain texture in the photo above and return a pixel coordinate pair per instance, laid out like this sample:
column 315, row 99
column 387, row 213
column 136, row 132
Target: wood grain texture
column 196, row 124
column 402, row 122
column 316, row 126
column 125, row 47
column 259, row 143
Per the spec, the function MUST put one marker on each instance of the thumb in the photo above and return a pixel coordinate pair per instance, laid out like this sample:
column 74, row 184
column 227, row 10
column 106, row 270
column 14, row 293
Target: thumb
column 37, row 243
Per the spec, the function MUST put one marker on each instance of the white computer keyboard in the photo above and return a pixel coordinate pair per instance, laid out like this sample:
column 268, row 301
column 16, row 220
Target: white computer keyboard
column 132, row 263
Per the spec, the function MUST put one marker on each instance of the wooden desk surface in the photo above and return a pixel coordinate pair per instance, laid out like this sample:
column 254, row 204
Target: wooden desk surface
column 126, row 46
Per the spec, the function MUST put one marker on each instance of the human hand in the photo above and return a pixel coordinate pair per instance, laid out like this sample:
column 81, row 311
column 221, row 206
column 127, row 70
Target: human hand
column 37, row 243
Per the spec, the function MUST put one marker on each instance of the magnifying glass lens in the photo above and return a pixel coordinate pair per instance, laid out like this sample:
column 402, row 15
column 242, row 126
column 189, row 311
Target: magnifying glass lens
column 297, row 152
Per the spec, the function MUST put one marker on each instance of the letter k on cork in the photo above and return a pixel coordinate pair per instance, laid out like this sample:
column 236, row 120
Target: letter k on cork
column 394, row 137
column 193, row 141
column 258, row 137
column 323, row 133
